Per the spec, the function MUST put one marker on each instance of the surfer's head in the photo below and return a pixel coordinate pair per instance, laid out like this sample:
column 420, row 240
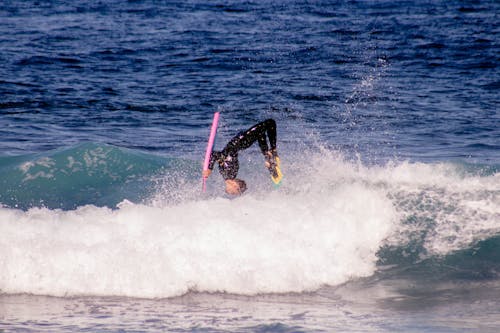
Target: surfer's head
column 235, row 186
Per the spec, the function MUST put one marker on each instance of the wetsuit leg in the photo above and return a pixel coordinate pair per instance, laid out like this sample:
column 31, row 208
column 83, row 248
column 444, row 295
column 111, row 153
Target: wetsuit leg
column 245, row 139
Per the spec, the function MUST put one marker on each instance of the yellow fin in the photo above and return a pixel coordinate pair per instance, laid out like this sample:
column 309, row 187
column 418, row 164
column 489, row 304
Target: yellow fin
column 279, row 175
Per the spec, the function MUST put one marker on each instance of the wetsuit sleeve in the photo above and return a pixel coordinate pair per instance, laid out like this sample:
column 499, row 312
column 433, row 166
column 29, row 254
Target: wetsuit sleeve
column 214, row 156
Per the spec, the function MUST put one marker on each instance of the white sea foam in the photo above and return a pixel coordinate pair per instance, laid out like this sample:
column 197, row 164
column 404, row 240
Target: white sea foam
column 322, row 227
column 452, row 208
column 276, row 242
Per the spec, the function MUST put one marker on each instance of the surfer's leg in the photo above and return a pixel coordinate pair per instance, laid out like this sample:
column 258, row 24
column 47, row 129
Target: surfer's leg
column 261, row 132
column 245, row 139
column 271, row 155
column 271, row 132
column 267, row 127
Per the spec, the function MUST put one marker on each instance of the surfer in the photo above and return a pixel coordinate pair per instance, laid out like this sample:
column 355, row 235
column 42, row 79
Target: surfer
column 227, row 159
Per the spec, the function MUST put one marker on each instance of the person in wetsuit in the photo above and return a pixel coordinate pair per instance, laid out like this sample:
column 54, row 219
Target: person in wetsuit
column 227, row 159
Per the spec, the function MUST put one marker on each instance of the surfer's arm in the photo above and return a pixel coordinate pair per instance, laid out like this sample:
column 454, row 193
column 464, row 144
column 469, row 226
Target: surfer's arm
column 214, row 156
column 208, row 171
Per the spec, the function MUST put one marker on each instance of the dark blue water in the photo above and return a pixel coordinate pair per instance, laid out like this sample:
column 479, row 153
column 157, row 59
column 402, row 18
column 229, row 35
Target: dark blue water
column 408, row 79
column 388, row 130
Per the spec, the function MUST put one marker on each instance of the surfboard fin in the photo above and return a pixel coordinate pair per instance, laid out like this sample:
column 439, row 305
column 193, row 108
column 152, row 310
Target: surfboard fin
column 274, row 169
column 277, row 176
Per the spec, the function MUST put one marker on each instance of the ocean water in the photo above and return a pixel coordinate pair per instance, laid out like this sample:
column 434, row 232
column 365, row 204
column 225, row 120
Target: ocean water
column 388, row 217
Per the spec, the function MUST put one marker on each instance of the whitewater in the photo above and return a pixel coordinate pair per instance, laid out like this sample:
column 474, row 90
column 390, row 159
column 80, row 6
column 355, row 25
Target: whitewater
column 323, row 227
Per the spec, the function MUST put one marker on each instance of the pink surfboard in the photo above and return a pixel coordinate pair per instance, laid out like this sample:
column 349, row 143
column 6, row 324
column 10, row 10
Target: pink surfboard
column 210, row 146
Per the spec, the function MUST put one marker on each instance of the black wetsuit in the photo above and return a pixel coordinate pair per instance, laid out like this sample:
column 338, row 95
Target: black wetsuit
column 228, row 157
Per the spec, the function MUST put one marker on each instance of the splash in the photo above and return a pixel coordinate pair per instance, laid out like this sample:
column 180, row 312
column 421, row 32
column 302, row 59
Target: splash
column 324, row 226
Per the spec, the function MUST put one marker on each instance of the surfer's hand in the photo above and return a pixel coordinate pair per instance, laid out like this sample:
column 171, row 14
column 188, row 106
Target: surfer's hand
column 206, row 173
